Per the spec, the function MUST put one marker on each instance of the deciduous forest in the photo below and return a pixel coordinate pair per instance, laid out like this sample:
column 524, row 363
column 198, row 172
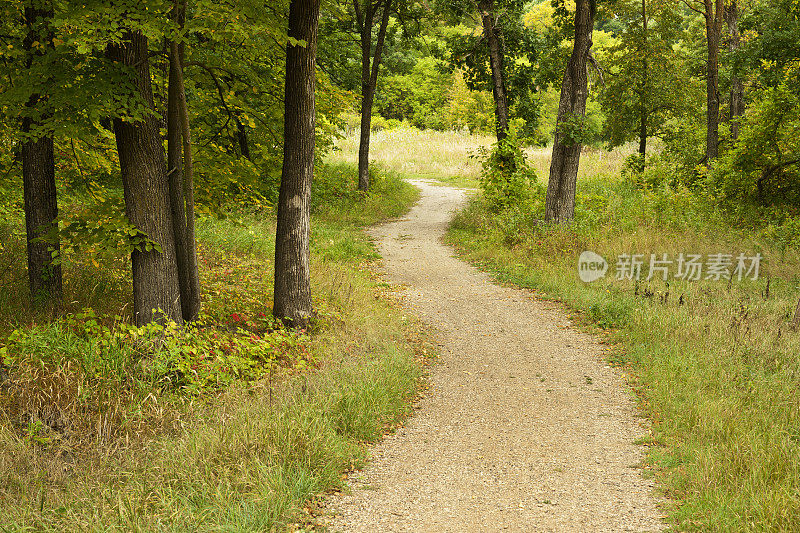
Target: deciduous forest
column 193, row 331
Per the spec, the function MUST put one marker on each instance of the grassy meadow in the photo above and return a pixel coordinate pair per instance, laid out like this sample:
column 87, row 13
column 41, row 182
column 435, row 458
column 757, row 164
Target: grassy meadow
column 714, row 364
column 452, row 156
column 231, row 425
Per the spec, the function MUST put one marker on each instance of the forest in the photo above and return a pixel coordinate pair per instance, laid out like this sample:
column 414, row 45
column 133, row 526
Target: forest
column 184, row 191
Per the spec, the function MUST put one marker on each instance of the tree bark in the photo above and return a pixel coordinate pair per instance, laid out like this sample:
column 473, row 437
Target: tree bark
column 714, row 11
column 492, row 32
column 292, row 295
column 175, row 171
column 560, row 198
column 644, row 90
column 370, row 64
column 181, row 180
column 736, row 96
column 193, row 308
column 156, row 292
column 39, row 183
column 243, row 140
column 41, row 217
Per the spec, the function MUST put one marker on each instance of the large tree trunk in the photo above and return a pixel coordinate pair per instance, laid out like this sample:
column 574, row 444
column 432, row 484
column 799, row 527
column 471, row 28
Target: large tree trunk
column 181, row 189
column 370, row 64
column 713, row 14
column 493, row 35
column 39, row 182
column 560, row 199
column 737, row 88
column 156, row 293
column 292, row 296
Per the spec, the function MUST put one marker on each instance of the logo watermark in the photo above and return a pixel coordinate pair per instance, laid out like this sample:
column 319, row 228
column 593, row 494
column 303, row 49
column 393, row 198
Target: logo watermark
column 686, row 267
column 591, row 266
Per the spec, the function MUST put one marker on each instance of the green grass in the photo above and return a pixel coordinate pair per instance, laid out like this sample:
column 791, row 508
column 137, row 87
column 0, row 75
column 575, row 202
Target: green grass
column 714, row 363
column 106, row 428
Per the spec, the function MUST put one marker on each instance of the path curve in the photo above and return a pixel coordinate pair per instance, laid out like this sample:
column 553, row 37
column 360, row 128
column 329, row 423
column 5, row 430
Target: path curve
column 525, row 427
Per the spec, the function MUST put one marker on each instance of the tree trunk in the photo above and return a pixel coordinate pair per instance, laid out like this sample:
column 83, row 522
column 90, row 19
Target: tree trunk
column 644, row 90
column 367, row 99
column 242, row 139
column 643, row 137
column 370, row 64
column 41, row 217
column 493, row 35
column 176, row 193
column 193, row 308
column 39, row 183
column 181, row 180
column 156, row 292
column 560, row 199
column 737, row 88
column 713, row 13
column 292, row 296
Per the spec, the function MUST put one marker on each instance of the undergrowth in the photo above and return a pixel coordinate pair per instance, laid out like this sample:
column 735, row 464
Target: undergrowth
column 714, row 362
column 230, row 424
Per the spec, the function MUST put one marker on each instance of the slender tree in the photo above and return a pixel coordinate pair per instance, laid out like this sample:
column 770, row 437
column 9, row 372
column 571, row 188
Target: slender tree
column 38, row 173
column 736, row 96
column 502, row 59
column 642, row 86
column 712, row 12
column 181, row 182
column 292, row 296
column 560, row 198
column 366, row 14
column 156, row 292
column 493, row 33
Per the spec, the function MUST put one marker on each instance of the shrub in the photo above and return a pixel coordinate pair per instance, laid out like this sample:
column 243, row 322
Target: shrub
column 506, row 178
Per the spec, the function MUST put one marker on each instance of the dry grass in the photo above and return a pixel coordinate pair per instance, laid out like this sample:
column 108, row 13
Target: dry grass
column 86, row 448
column 448, row 156
column 417, row 153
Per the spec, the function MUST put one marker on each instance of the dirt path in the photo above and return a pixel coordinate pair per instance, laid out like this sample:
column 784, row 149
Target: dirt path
column 525, row 428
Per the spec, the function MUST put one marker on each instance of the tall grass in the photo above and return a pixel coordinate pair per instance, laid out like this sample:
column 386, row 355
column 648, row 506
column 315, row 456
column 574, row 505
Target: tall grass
column 418, row 153
column 450, row 156
column 714, row 363
column 101, row 440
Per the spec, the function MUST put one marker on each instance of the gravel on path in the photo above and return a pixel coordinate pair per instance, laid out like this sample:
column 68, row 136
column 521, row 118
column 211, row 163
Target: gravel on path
column 525, row 428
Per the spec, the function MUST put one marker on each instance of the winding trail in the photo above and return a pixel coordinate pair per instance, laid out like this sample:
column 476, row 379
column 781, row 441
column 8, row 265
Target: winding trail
column 525, row 427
